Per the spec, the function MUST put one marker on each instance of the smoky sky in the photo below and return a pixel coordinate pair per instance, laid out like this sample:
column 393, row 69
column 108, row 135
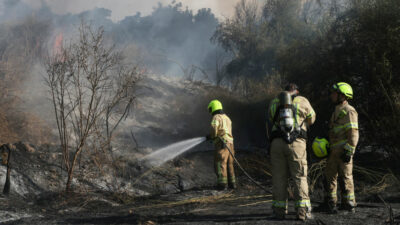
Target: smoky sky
column 122, row 8
column 168, row 40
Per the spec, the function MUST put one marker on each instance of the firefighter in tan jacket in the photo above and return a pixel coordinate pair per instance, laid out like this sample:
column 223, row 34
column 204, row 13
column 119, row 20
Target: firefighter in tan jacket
column 343, row 138
column 221, row 134
column 289, row 117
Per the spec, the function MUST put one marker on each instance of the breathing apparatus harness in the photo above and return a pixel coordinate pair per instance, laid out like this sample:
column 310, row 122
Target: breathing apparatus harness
column 285, row 120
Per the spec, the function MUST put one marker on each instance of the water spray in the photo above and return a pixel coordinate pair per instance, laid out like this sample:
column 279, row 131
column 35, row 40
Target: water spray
column 160, row 156
column 169, row 152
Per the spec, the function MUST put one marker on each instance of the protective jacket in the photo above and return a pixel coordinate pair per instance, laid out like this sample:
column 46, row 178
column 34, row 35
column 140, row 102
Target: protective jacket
column 290, row 159
column 221, row 127
column 343, row 135
column 343, row 128
column 303, row 111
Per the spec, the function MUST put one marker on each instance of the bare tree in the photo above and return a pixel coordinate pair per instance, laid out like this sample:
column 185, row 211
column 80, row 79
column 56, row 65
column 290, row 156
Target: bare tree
column 221, row 60
column 92, row 91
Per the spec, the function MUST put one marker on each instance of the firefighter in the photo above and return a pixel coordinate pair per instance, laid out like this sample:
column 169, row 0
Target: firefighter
column 221, row 135
column 289, row 117
column 343, row 137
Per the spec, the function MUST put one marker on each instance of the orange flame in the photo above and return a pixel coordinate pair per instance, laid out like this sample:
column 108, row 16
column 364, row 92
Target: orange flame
column 58, row 46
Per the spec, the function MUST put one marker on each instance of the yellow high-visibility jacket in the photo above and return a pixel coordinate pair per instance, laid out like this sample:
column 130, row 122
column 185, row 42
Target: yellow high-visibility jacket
column 303, row 108
column 221, row 127
column 343, row 127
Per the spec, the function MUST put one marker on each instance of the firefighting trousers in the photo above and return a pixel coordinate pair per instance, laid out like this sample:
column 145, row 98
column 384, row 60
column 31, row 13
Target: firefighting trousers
column 223, row 164
column 336, row 170
column 289, row 160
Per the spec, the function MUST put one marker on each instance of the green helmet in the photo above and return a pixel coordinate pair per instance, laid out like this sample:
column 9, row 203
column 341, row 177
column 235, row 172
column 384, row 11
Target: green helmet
column 320, row 147
column 344, row 88
column 214, row 106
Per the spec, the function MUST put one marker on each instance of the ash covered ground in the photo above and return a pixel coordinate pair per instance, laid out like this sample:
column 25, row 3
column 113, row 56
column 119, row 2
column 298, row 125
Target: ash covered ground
column 180, row 192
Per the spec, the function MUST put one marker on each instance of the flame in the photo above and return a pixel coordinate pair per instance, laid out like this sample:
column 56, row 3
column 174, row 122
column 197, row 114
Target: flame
column 58, row 46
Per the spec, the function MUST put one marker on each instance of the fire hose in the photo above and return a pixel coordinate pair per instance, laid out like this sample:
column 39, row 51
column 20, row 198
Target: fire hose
column 243, row 170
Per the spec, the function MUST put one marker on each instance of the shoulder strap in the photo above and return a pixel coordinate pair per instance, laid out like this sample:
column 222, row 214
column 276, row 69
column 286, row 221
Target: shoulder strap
column 276, row 114
column 294, row 112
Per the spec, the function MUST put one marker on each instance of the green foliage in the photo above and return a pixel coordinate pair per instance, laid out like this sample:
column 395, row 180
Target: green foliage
column 257, row 34
column 359, row 45
column 362, row 47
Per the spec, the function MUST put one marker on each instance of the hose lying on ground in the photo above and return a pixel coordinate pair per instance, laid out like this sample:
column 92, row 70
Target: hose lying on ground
column 244, row 171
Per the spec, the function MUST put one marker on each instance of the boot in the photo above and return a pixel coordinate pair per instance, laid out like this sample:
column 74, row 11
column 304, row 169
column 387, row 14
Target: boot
column 303, row 214
column 278, row 213
column 278, row 216
column 332, row 209
column 222, row 187
column 348, row 207
column 232, row 185
column 327, row 206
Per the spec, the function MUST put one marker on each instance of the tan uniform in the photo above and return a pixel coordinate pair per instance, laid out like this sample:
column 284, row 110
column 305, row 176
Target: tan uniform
column 343, row 135
column 221, row 128
column 290, row 160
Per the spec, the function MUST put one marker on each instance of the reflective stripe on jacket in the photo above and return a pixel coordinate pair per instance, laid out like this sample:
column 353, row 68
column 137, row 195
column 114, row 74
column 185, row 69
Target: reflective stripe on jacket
column 343, row 127
column 303, row 111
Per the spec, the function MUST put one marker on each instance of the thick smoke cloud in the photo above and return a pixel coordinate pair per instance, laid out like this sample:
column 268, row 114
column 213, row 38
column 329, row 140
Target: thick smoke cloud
column 123, row 8
column 167, row 40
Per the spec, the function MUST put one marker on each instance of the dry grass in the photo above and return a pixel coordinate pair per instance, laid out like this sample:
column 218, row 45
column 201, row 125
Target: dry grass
column 23, row 43
column 386, row 181
column 257, row 164
column 315, row 173
column 226, row 197
column 255, row 203
column 378, row 180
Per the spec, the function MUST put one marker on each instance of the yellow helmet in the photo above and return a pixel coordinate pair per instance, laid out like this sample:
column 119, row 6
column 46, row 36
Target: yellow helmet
column 214, row 106
column 344, row 88
column 320, row 147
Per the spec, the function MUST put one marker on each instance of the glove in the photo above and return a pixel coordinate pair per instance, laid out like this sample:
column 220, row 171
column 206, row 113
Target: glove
column 346, row 157
column 347, row 153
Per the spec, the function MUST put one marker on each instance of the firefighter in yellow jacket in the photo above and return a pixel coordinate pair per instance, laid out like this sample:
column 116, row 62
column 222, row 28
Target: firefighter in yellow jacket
column 221, row 134
column 289, row 117
column 343, row 138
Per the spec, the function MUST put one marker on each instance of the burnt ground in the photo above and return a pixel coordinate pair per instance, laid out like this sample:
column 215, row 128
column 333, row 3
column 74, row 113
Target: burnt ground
column 189, row 207
column 187, row 196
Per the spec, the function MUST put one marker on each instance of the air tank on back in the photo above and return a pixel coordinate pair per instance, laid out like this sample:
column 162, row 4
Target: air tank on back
column 286, row 120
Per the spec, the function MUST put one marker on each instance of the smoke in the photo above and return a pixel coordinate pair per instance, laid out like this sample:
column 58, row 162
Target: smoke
column 172, row 38
column 123, row 8
column 166, row 39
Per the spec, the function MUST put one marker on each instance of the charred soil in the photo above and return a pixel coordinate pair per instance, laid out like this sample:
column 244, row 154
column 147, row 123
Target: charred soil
column 187, row 197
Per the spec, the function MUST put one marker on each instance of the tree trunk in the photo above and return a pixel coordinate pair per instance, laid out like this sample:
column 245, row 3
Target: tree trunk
column 68, row 186
column 7, row 185
column 71, row 169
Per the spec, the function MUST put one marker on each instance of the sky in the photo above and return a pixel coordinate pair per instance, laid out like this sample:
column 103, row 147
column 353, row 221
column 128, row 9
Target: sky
column 121, row 8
